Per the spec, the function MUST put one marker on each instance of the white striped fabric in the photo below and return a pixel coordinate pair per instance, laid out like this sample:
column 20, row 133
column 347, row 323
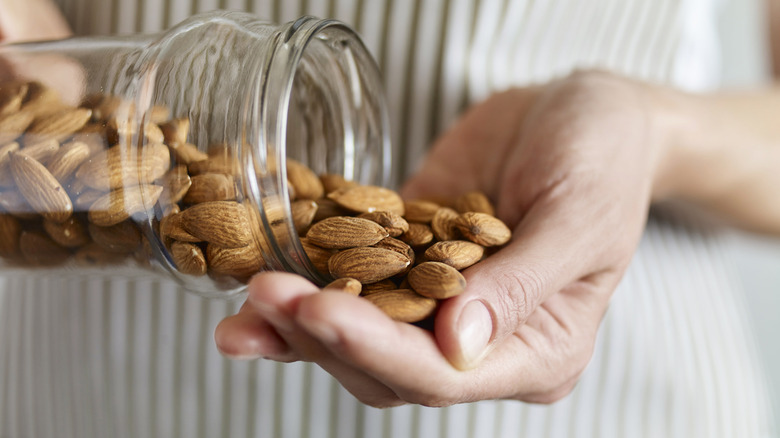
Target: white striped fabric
column 88, row 355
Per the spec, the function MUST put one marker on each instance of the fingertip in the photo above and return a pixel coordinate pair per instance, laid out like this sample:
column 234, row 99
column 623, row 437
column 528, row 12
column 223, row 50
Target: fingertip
column 247, row 336
column 465, row 331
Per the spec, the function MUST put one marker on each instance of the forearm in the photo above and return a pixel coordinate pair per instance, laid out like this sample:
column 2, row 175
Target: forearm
column 722, row 152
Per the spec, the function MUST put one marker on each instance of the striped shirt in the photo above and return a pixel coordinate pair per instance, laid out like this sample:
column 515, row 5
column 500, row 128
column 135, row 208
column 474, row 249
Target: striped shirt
column 84, row 355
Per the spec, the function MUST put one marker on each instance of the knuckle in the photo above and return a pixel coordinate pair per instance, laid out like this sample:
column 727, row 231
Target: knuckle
column 519, row 293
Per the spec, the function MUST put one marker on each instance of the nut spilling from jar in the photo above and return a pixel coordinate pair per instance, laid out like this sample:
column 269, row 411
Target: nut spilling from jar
column 78, row 183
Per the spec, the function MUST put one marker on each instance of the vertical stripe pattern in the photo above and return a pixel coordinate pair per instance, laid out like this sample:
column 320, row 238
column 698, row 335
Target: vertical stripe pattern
column 90, row 355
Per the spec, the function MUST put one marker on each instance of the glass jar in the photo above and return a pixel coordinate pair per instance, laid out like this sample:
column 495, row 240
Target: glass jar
column 171, row 151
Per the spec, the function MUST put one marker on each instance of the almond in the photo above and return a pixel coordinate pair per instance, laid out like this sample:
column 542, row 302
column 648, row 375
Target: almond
column 346, row 284
column 403, row 305
column 387, row 284
column 11, row 95
column 398, row 246
column 443, row 224
column 41, row 190
column 171, row 228
column 10, row 231
column 123, row 237
column 436, row 280
column 40, row 250
column 345, row 232
column 67, row 159
column 392, row 222
column 328, row 208
column 317, row 255
column 420, row 211
column 417, row 235
column 176, row 182
column 223, row 223
column 13, row 125
column 93, row 254
column 217, row 164
column 303, row 212
column 86, row 198
column 58, row 125
column 6, row 179
column 188, row 153
column 365, row 199
column 474, row 201
column 41, row 99
column 333, row 181
column 460, row 254
column 14, row 203
column 483, row 229
column 188, row 258
column 237, row 262
column 120, row 204
column 176, row 131
column 307, row 185
column 70, row 234
column 210, row 187
column 43, row 150
column 367, row 264
column 118, row 167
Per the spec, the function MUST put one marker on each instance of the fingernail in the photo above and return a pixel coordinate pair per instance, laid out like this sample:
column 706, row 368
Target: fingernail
column 475, row 328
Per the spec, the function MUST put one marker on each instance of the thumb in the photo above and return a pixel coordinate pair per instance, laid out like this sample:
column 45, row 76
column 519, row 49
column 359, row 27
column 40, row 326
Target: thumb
column 506, row 288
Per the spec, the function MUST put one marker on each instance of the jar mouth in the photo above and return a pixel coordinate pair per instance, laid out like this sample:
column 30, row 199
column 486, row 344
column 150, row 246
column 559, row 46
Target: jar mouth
column 322, row 105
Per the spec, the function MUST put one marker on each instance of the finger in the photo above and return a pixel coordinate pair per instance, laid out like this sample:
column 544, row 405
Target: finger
column 246, row 335
column 545, row 255
column 29, row 20
column 275, row 297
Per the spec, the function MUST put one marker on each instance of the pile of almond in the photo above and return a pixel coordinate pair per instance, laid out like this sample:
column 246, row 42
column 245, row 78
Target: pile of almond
column 80, row 184
column 403, row 256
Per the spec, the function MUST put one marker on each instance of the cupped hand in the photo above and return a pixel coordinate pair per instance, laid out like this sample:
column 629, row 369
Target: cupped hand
column 572, row 167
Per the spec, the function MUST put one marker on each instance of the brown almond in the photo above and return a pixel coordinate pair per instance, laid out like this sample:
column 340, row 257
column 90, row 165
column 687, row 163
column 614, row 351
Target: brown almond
column 43, row 150
column 346, row 284
column 153, row 133
column 123, row 237
column 175, row 183
column 103, row 106
column 39, row 249
column 365, row 199
column 41, row 190
column 483, row 229
column 460, row 254
column 171, row 228
column 188, row 258
column 436, row 280
column 86, row 198
column 70, row 234
column 443, row 224
column 474, row 201
column 58, row 125
column 367, row 264
column 237, row 262
column 176, row 131
column 345, row 232
column 328, row 208
column 223, row 223
column 41, row 99
column 218, row 164
column 11, row 95
column 93, row 254
column 333, row 181
column 120, row 204
column 6, row 179
column 13, row 125
column 187, row 153
column 67, row 159
column 10, row 231
column 210, row 187
column 392, row 222
column 420, row 211
column 370, row 288
column 118, row 167
column 317, row 255
column 306, row 183
column 417, row 235
column 403, row 305
column 158, row 114
column 303, row 212
column 397, row 245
